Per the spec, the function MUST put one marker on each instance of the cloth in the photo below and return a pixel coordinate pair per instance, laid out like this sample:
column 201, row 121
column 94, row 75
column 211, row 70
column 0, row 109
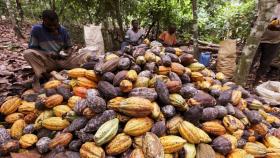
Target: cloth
column 41, row 63
column 270, row 92
column 167, row 38
column 268, row 53
column 272, row 36
column 43, row 40
column 134, row 36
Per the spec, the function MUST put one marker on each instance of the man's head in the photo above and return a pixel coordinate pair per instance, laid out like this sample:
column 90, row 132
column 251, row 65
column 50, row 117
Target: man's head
column 50, row 20
column 135, row 24
column 171, row 29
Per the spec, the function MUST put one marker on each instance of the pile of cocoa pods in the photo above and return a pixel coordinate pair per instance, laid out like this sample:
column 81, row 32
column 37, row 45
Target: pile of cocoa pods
column 145, row 102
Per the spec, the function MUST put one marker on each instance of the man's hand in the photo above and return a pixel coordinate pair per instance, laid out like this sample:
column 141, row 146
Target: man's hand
column 53, row 55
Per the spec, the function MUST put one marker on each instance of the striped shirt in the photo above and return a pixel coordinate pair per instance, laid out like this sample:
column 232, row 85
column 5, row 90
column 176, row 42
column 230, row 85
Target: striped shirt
column 43, row 40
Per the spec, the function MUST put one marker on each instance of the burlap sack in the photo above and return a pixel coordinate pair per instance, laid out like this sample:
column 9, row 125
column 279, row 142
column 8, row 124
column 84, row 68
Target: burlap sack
column 227, row 57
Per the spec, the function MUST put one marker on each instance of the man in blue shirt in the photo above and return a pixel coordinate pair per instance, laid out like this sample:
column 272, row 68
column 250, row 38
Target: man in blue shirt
column 50, row 48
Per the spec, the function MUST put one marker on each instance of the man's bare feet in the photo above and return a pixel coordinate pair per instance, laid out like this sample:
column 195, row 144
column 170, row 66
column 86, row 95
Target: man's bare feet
column 36, row 84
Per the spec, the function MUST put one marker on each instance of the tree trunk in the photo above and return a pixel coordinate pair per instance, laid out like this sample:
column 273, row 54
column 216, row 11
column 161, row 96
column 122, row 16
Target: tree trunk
column 13, row 20
column 19, row 8
column 265, row 12
column 53, row 5
column 195, row 29
column 119, row 16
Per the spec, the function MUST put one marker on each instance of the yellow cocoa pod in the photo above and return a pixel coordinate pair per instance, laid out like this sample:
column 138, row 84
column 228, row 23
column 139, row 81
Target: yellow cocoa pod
column 126, row 86
column 271, row 141
column 218, row 155
column 213, row 127
column 10, row 106
column 17, row 129
column 142, row 82
column 111, row 56
column 177, row 68
column 196, row 67
column 172, row 144
column 44, row 115
column 115, row 103
column 52, row 84
column 137, row 153
column 131, row 75
column 62, row 139
column 173, row 123
column 177, row 100
column 136, row 107
column 189, row 132
column 77, row 72
column 150, row 57
column 90, row 150
column 196, row 76
column 85, row 82
column 255, row 149
column 156, row 110
column 72, row 101
column 55, row 123
column 119, row 144
column 163, row 70
column 190, row 150
column 11, row 118
column 261, row 128
column 237, row 153
column 90, row 74
column 27, row 107
column 152, row 146
column 123, row 118
column 53, row 100
column 236, row 97
column 220, row 76
column 60, row 110
column 204, row 137
column 232, row 124
column 106, row 132
column 138, row 126
column 28, row 140
column 138, row 142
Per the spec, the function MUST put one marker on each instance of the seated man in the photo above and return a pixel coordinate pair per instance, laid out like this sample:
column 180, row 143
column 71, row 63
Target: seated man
column 50, row 49
column 168, row 38
column 133, row 36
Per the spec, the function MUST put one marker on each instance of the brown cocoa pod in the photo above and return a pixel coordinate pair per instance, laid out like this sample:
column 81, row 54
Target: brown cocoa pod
column 75, row 145
column 159, row 128
column 225, row 97
column 80, row 106
column 194, row 114
column 107, row 90
column 174, row 77
column 124, row 63
column 62, row 139
column 204, row 150
column 174, row 58
column 84, row 137
column 143, row 92
column 152, row 146
column 119, row 77
column 253, row 116
column 204, row 99
column 188, row 91
column 94, row 123
column 65, row 91
column 166, row 60
column 222, row 145
column 162, row 91
column 29, row 129
column 138, row 52
column 151, row 67
column 50, row 92
column 185, row 78
column 222, row 111
column 186, row 59
column 76, row 124
column 145, row 73
column 108, row 76
column 173, row 86
column 238, row 113
column 9, row 146
column 96, row 104
column 135, row 67
column 110, row 65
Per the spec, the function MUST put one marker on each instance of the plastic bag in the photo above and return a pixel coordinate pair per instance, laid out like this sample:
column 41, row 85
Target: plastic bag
column 93, row 39
column 270, row 92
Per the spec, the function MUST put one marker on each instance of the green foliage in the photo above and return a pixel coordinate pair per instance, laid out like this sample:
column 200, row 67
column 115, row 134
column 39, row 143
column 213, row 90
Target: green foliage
column 217, row 19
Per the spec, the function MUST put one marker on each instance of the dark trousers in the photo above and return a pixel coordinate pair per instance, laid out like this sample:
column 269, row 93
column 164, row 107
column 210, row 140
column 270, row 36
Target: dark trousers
column 267, row 53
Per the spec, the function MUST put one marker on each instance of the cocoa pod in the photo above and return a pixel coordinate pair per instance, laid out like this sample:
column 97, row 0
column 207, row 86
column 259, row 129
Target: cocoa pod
column 174, row 86
column 188, row 91
column 28, row 140
column 253, row 116
column 89, row 149
column 138, row 126
column 168, row 111
column 77, row 124
column 152, row 146
column 232, row 124
column 17, row 129
column 136, row 107
column 172, row 144
column 96, row 104
column 108, row 76
column 162, row 91
column 106, row 132
column 185, row 78
column 62, row 139
column 204, row 150
column 4, row 135
column 166, row 60
column 222, row 111
column 119, row 77
column 137, row 153
column 213, row 127
column 80, row 106
column 29, row 129
column 94, row 123
column 145, row 73
column 42, row 145
column 107, row 90
column 124, row 63
column 75, row 145
column 64, row 91
column 222, row 145
column 159, row 128
column 119, row 144
column 9, row 146
column 186, row 59
column 204, row 99
column 173, row 123
column 143, row 92
column 11, row 118
column 110, row 65
column 209, row 114
column 10, row 106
